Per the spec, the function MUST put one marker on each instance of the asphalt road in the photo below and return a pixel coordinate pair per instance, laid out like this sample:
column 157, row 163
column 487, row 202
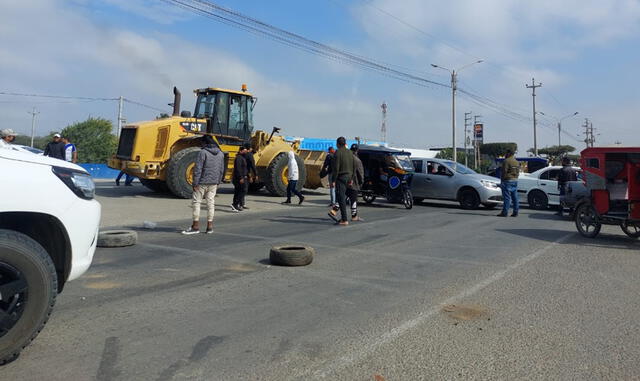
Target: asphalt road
column 434, row 293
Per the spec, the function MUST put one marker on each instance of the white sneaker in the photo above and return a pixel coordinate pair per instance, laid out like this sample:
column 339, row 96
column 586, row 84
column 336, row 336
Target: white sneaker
column 234, row 209
column 190, row 231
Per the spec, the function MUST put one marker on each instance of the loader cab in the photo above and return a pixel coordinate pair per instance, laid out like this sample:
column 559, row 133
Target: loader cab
column 229, row 114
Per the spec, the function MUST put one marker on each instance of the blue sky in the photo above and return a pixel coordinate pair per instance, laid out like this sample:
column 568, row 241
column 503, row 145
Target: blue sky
column 584, row 52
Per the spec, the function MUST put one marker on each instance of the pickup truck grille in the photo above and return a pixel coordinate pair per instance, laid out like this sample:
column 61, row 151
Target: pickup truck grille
column 125, row 147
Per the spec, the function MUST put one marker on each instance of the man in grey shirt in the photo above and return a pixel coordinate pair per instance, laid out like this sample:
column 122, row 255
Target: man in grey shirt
column 207, row 174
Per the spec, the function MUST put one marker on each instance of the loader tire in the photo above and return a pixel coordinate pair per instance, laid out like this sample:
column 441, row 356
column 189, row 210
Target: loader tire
column 276, row 181
column 180, row 172
column 158, row 186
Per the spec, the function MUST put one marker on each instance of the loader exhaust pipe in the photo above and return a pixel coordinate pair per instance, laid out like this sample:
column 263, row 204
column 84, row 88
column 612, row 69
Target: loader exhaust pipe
column 176, row 101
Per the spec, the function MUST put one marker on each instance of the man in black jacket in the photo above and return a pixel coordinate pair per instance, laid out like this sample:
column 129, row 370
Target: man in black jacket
column 567, row 173
column 252, row 172
column 327, row 167
column 55, row 148
column 239, row 179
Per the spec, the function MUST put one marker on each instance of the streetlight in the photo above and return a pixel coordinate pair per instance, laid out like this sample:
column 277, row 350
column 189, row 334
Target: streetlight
column 559, row 122
column 454, row 87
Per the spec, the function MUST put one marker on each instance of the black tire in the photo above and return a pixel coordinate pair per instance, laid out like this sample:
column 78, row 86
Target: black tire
column 490, row 205
column 469, row 199
column 31, row 301
column 158, row 186
column 117, row 238
column 538, row 200
column 255, row 187
column 587, row 221
column 368, row 197
column 177, row 172
column 631, row 229
column 407, row 199
column 291, row 255
column 274, row 177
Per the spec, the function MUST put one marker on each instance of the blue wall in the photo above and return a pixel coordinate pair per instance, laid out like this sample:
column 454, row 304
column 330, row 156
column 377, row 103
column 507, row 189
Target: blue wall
column 100, row 171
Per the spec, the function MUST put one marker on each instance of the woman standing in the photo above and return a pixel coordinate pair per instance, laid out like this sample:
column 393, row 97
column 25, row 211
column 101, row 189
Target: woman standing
column 293, row 179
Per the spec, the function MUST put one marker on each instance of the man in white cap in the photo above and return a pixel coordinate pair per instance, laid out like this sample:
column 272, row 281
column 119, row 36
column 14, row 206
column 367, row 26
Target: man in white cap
column 55, row 148
column 6, row 137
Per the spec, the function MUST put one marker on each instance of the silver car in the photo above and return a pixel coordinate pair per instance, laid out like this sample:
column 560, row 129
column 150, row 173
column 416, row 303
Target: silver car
column 442, row 179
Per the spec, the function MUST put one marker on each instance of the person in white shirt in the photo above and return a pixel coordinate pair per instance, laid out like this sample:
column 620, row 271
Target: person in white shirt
column 293, row 176
column 6, row 137
column 70, row 151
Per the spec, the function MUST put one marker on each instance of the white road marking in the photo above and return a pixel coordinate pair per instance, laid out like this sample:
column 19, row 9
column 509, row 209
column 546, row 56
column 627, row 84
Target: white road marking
column 345, row 359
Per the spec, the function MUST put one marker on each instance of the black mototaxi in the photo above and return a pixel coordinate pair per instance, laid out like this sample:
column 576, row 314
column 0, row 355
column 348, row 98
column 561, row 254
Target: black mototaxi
column 387, row 173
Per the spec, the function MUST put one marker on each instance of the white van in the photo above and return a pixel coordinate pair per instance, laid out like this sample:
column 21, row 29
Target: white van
column 48, row 233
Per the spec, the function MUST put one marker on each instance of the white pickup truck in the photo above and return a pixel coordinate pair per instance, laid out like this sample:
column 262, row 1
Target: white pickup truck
column 48, row 232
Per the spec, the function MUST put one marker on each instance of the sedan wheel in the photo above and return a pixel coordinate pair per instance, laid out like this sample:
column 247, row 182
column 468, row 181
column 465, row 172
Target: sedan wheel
column 538, row 200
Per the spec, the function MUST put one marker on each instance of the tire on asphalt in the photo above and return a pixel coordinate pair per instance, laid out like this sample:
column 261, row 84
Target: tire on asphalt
column 180, row 172
column 28, row 271
column 631, row 229
column 158, row 186
column 586, row 217
column 291, row 255
column 275, row 180
column 117, row 238
column 469, row 199
column 538, row 200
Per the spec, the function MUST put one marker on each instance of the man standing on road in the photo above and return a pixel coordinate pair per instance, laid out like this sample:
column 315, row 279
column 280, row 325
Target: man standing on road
column 343, row 175
column 327, row 168
column 509, row 185
column 55, row 148
column 207, row 174
column 293, row 176
column 356, row 183
column 567, row 173
column 251, row 167
column 70, row 151
column 239, row 179
column 6, row 137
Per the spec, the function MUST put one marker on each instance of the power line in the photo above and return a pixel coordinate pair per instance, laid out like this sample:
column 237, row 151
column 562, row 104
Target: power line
column 247, row 23
column 56, row 96
column 142, row 104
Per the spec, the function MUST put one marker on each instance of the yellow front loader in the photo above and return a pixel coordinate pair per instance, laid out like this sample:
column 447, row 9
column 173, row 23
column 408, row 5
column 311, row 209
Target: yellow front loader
column 162, row 152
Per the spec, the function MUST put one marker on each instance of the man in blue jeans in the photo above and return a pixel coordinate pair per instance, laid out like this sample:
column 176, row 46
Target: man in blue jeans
column 509, row 185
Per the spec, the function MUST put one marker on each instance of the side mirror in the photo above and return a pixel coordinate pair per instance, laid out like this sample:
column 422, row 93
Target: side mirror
column 185, row 114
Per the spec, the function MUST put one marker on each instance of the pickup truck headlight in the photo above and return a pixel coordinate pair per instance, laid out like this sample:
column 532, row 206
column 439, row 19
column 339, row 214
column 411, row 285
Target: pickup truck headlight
column 489, row 184
column 79, row 182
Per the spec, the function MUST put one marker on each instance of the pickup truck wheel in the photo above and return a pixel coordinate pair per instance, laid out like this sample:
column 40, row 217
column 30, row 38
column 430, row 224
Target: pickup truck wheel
column 469, row 199
column 28, row 289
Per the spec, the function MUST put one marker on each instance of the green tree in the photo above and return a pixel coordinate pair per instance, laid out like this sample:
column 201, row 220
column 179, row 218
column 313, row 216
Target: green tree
column 93, row 139
column 38, row 141
column 497, row 149
column 447, row 153
column 555, row 153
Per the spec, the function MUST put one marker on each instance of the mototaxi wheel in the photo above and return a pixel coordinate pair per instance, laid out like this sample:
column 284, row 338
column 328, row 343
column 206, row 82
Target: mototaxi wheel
column 407, row 198
column 587, row 221
column 368, row 197
column 632, row 229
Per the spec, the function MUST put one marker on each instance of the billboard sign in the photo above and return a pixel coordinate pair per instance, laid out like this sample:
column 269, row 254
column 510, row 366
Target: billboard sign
column 478, row 131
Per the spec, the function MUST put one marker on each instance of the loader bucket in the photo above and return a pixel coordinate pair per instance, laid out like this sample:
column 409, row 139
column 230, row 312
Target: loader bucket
column 313, row 161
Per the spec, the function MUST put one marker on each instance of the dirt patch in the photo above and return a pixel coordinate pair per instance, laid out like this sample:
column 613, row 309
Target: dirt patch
column 464, row 312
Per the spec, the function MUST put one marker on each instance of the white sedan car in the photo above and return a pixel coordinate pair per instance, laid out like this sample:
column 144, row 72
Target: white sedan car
column 540, row 188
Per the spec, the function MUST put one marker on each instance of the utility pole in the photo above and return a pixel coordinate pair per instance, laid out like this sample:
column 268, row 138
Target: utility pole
column 476, row 146
column 33, row 123
column 454, row 88
column 467, row 119
column 120, row 105
column 383, row 128
column 533, row 94
column 589, row 137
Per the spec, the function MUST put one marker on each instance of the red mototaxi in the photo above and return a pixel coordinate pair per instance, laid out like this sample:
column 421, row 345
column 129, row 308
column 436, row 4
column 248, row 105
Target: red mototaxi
column 612, row 178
